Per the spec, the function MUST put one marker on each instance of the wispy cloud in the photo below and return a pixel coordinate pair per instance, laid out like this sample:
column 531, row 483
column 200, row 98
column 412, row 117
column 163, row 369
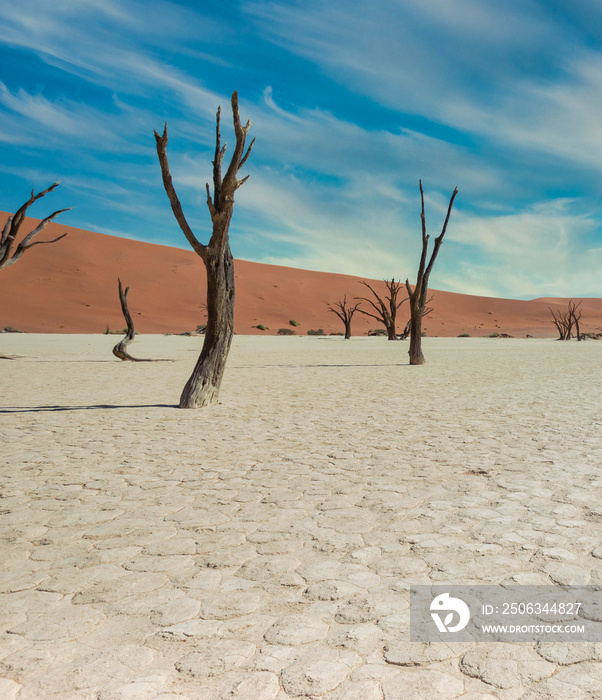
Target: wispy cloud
column 351, row 104
column 541, row 247
column 64, row 119
column 413, row 56
column 507, row 71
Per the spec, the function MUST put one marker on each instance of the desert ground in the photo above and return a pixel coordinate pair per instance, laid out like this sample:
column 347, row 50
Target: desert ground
column 263, row 548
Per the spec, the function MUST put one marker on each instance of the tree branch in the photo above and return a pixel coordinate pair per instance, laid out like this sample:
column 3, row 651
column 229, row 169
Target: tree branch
column 346, row 312
column 176, row 207
column 13, row 225
column 439, row 239
column 247, row 154
column 338, row 313
column 40, row 227
column 217, row 161
column 367, row 313
column 425, row 241
column 383, row 307
column 373, row 305
column 5, row 231
column 240, row 133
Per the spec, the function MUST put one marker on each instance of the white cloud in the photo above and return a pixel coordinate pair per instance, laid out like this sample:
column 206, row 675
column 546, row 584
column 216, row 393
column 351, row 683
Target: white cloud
column 559, row 118
column 110, row 43
column 506, row 71
column 542, row 249
column 413, row 56
column 507, row 109
column 69, row 119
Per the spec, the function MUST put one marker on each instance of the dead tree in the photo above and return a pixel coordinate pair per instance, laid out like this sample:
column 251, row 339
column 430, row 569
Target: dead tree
column 203, row 386
column 563, row 322
column 566, row 320
column 406, row 331
column 386, row 309
column 418, row 295
column 345, row 313
column 13, row 224
column 575, row 314
column 120, row 350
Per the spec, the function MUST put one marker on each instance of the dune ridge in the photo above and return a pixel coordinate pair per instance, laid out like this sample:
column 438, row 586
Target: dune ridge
column 71, row 287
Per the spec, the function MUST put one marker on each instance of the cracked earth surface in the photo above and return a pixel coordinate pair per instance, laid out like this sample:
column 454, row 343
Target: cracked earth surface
column 263, row 548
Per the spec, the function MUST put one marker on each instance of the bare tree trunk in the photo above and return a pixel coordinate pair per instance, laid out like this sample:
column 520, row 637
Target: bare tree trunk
column 418, row 296
column 13, row 224
column 120, row 350
column 564, row 320
column 386, row 309
column 558, row 322
column 203, row 387
column 575, row 314
column 345, row 313
column 415, row 351
column 406, row 331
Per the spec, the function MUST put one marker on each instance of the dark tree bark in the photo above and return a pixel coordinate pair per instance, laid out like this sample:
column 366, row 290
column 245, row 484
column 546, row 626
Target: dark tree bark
column 13, row 224
column 559, row 320
column 120, row 350
column 406, row 331
column 418, row 295
column 345, row 313
column 563, row 322
column 566, row 320
column 202, row 388
column 575, row 314
column 385, row 309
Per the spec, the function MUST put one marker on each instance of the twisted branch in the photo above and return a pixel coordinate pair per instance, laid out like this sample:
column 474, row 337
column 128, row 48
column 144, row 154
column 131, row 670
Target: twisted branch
column 13, row 225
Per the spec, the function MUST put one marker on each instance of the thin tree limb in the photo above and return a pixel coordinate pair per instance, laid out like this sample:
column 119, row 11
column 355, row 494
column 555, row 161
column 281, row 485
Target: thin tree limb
column 345, row 313
column 247, row 154
column 387, row 313
column 438, row 242
column 13, row 225
column 241, row 133
column 176, row 207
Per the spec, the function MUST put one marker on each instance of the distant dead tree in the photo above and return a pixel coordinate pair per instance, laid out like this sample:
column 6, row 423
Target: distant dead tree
column 345, row 312
column 13, row 225
column 120, row 350
column 418, row 296
column 566, row 320
column 563, row 322
column 406, row 331
column 575, row 313
column 203, row 386
column 385, row 308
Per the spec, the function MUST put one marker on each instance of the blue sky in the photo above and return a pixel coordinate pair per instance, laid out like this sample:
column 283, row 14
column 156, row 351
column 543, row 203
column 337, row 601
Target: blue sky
column 351, row 103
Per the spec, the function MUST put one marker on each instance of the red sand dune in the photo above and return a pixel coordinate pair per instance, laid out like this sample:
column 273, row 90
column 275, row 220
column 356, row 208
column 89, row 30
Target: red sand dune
column 71, row 287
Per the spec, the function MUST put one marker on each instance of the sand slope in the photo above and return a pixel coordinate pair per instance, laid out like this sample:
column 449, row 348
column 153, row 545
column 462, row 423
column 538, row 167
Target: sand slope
column 71, row 287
